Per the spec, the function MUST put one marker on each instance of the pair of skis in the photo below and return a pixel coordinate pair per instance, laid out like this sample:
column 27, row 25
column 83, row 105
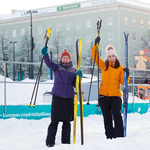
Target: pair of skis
column 78, row 94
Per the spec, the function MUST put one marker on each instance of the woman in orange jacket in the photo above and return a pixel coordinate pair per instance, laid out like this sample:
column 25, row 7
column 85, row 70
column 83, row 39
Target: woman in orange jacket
column 109, row 91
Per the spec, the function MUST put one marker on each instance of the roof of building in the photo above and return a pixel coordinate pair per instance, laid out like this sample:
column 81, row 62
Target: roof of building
column 85, row 4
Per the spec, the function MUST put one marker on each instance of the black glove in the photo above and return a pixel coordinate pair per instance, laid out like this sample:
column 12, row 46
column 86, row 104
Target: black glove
column 126, row 70
column 97, row 40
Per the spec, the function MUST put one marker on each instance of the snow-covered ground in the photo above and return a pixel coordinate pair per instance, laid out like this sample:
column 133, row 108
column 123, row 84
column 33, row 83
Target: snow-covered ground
column 23, row 134
column 30, row 134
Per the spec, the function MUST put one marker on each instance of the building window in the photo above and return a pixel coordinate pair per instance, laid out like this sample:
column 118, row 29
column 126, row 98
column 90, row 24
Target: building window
column 109, row 20
column 68, row 40
column 141, row 23
column 22, row 59
column 58, row 27
column 148, row 24
column 22, row 45
column 133, row 21
column 22, row 32
column 40, row 30
column 29, row 31
column 40, row 58
column 126, row 20
column 15, row 45
column 88, row 38
column 134, row 36
column 40, row 43
column 50, row 43
column 110, row 36
column 68, row 26
column 14, row 33
column 5, row 34
column 88, row 23
column 149, row 38
column 78, row 25
column 5, row 47
column 142, row 38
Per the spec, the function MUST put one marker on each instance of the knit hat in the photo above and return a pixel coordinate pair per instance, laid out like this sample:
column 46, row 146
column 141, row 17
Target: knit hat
column 110, row 50
column 65, row 53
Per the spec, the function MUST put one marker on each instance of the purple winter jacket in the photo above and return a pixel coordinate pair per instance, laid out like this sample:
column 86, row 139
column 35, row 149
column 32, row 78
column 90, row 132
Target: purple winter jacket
column 65, row 78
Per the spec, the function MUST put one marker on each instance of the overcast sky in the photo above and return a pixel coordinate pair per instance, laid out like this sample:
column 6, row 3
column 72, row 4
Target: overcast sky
column 6, row 6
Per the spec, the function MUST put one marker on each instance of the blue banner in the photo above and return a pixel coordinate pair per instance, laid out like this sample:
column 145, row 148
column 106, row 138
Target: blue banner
column 44, row 111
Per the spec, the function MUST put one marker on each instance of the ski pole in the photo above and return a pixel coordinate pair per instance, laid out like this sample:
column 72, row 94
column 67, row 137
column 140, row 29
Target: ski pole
column 91, row 80
column 97, row 50
column 97, row 46
column 47, row 35
column 37, row 79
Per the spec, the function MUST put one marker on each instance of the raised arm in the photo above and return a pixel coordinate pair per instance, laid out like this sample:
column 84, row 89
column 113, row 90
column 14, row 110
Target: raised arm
column 102, row 65
column 50, row 64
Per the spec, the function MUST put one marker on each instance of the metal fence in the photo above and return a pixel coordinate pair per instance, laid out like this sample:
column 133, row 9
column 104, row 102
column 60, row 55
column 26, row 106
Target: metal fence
column 137, row 78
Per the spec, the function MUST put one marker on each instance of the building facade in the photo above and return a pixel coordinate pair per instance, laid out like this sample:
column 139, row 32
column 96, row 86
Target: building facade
column 68, row 22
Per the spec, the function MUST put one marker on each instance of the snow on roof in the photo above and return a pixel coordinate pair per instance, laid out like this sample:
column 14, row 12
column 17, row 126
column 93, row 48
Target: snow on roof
column 135, row 3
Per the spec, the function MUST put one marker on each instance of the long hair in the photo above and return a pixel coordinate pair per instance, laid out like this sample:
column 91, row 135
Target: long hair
column 117, row 64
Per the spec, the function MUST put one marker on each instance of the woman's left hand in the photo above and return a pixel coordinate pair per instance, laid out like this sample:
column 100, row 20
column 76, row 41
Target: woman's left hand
column 79, row 73
column 127, row 71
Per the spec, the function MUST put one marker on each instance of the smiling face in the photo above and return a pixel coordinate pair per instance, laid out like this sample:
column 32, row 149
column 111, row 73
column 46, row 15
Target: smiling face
column 66, row 59
column 111, row 58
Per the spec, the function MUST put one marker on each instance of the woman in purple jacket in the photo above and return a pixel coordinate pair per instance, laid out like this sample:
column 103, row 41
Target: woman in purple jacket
column 63, row 96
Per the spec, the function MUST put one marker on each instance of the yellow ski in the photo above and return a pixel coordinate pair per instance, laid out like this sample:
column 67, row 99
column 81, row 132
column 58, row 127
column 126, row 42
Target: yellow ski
column 78, row 92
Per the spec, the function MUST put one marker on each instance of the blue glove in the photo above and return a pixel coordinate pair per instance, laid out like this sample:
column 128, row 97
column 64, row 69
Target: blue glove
column 44, row 51
column 79, row 73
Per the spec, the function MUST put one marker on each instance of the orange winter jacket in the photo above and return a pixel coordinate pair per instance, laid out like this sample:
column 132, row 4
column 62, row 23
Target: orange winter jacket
column 111, row 78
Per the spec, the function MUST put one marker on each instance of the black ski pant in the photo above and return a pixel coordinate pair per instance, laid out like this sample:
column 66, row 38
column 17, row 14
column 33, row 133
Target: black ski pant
column 111, row 110
column 52, row 130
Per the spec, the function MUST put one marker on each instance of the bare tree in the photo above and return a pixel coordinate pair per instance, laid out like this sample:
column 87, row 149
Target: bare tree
column 87, row 59
column 57, row 42
column 5, row 52
column 24, row 54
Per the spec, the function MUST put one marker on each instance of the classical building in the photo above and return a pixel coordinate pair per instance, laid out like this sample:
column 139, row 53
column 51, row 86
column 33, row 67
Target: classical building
column 70, row 21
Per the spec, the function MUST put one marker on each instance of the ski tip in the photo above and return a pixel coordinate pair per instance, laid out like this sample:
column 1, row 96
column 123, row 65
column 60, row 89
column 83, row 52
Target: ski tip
column 126, row 34
column 77, row 40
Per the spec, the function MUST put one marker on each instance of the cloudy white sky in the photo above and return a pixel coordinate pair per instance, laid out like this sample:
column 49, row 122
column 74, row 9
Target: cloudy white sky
column 7, row 5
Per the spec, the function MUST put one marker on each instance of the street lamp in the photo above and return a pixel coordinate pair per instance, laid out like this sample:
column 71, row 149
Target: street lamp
column 13, row 58
column 31, row 42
